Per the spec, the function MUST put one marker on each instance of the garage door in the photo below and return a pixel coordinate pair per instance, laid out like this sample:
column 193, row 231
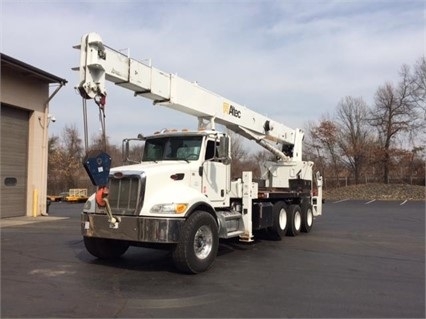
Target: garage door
column 14, row 161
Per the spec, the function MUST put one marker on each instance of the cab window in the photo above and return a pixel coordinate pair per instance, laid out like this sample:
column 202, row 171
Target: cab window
column 172, row 148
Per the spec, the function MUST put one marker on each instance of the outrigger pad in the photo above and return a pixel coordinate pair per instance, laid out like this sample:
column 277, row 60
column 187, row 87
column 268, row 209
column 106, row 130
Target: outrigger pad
column 97, row 165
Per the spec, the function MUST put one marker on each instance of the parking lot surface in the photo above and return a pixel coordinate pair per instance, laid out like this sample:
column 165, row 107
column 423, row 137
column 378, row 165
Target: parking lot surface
column 360, row 260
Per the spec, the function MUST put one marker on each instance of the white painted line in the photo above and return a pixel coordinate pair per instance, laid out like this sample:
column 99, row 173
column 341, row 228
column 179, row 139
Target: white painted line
column 373, row 200
column 342, row 200
column 403, row 202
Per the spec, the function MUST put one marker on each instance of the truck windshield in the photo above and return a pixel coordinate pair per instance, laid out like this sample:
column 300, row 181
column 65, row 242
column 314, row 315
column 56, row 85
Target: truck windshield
column 172, row 148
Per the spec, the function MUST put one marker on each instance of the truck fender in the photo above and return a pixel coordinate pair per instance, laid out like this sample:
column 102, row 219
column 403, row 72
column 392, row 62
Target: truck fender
column 202, row 206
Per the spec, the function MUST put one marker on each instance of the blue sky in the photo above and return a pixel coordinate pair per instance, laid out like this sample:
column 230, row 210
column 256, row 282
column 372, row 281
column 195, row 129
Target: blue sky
column 290, row 60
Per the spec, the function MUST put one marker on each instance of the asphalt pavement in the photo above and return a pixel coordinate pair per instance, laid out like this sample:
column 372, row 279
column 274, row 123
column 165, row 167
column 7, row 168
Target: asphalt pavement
column 361, row 260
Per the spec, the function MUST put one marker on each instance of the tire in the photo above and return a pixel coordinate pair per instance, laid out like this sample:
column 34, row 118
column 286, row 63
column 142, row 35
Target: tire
column 294, row 216
column 307, row 218
column 105, row 248
column 280, row 221
column 198, row 245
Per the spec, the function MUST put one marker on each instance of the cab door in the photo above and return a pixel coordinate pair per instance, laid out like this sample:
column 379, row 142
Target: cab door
column 216, row 176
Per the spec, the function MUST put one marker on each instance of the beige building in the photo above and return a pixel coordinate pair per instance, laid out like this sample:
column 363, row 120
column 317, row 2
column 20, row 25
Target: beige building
column 24, row 95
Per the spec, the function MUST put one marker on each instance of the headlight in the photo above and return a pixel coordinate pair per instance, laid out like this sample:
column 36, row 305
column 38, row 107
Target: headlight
column 169, row 208
column 87, row 205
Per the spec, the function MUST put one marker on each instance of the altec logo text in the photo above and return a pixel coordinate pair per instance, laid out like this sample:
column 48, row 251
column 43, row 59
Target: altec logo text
column 231, row 110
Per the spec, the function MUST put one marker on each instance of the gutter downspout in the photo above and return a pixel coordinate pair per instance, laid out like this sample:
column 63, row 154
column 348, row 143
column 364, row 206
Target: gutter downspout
column 43, row 212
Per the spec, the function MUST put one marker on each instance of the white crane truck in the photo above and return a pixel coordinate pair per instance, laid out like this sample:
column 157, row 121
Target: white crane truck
column 181, row 195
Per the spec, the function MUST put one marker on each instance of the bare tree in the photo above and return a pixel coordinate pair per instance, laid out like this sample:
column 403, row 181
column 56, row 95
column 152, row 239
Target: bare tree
column 238, row 154
column 324, row 139
column 417, row 166
column 354, row 133
column 394, row 113
column 54, row 183
column 257, row 160
column 418, row 93
column 66, row 158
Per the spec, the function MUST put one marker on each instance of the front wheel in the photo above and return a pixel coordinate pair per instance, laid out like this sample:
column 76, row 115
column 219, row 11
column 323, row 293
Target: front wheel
column 198, row 245
column 104, row 248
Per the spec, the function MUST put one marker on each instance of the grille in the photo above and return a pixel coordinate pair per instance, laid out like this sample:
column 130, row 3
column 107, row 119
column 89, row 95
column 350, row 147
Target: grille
column 126, row 195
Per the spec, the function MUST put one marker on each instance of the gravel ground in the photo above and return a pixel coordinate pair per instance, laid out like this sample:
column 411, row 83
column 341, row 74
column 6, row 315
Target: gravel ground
column 377, row 191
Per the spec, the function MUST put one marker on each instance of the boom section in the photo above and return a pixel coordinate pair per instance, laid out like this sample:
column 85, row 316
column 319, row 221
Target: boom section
column 99, row 63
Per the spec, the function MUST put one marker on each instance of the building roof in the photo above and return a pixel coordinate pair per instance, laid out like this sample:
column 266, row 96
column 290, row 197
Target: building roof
column 43, row 75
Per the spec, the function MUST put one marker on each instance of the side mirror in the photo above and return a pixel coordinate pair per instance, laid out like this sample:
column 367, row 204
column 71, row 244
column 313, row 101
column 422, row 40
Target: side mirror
column 125, row 150
column 223, row 147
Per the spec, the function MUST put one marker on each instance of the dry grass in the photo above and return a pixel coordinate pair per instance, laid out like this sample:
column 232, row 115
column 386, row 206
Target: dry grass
column 377, row 191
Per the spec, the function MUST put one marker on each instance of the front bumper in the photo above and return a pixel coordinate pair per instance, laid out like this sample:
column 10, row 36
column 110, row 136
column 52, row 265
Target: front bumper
column 133, row 228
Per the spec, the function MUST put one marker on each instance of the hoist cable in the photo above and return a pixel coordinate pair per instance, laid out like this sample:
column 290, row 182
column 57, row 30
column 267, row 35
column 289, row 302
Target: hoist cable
column 102, row 120
column 101, row 105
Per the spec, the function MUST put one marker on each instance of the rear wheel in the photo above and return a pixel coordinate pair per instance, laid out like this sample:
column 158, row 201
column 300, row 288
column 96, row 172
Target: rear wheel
column 307, row 218
column 105, row 248
column 198, row 245
column 294, row 220
column 279, row 226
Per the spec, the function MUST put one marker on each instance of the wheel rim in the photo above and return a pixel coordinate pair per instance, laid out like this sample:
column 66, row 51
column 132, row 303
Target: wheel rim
column 203, row 242
column 283, row 219
column 309, row 217
column 297, row 220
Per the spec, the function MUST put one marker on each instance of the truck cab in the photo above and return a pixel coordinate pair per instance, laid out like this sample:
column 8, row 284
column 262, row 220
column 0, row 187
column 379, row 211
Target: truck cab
column 181, row 172
column 191, row 160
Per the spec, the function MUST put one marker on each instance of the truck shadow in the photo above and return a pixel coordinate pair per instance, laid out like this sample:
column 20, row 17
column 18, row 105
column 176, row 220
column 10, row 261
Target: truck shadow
column 231, row 245
column 227, row 246
column 159, row 260
column 152, row 259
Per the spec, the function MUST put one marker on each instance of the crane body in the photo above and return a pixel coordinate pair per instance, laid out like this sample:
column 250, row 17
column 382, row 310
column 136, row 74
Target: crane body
column 181, row 194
